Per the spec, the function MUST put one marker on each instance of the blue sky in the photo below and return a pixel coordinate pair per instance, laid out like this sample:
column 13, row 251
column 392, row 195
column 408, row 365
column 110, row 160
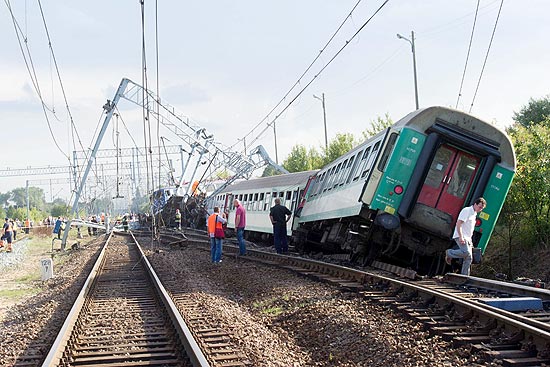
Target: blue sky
column 225, row 65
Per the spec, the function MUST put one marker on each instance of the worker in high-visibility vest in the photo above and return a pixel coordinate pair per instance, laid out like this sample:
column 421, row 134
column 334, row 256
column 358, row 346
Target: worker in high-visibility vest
column 27, row 225
column 178, row 219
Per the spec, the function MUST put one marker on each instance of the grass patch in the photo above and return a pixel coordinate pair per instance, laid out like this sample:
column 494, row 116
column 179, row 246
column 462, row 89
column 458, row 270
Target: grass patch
column 30, row 277
column 270, row 307
column 15, row 294
column 273, row 311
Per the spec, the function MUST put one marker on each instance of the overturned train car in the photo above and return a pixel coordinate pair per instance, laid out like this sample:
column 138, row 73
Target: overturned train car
column 395, row 197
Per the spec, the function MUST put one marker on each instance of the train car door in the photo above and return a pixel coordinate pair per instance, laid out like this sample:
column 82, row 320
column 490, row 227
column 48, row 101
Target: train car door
column 449, row 180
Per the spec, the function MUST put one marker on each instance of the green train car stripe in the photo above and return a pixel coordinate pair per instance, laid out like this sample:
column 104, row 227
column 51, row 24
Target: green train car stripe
column 399, row 169
column 495, row 193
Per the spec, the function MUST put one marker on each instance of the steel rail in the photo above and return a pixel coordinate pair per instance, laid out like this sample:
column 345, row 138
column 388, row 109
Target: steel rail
column 193, row 350
column 55, row 355
column 56, row 351
column 515, row 321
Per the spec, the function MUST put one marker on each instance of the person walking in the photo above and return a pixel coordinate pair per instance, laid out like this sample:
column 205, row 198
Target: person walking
column 279, row 216
column 14, row 228
column 178, row 219
column 463, row 233
column 125, row 223
column 240, row 224
column 7, row 234
column 215, row 232
column 57, row 227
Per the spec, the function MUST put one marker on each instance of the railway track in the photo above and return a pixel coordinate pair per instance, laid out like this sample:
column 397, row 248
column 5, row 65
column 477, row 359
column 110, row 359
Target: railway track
column 123, row 317
column 497, row 319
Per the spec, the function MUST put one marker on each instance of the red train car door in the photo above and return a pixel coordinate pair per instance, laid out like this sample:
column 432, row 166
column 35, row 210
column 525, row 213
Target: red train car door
column 450, row 177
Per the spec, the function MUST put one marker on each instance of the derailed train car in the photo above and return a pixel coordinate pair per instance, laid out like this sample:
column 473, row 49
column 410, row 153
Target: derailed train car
column 396, row 197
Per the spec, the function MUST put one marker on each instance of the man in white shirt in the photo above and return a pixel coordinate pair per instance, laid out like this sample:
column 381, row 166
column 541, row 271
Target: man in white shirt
column 463, row 233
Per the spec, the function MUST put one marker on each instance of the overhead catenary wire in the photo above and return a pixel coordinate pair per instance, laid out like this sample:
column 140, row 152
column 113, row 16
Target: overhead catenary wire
column 467, row 55
column 32, row 73
column 486, row 56
column 73, row 129
column 270, row 124
column 301, row 76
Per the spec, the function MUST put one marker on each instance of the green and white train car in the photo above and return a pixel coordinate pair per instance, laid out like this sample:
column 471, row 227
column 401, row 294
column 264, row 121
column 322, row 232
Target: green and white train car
column 396, row 197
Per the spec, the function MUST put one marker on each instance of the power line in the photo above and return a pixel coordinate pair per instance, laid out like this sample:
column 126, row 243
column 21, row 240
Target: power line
column 270, row 124
column 32, row 73
column 467, row 56
column 300, row 77
column 486, row 55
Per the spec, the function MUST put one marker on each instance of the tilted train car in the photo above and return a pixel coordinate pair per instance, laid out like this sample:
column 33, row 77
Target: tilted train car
column 397, row 196
column 258, row 196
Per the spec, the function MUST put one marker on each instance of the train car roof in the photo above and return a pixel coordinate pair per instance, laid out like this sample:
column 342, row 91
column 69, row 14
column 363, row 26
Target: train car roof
column 423, row 119
column 279, row 181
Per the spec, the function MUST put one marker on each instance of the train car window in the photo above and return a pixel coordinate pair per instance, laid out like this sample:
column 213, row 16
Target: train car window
column 288, row 195
column 313, row 186
column 327, row 179
column 245, row 197
column 319, row 184
column 345, row 169
column 387, row 151
column 262, row 196
column 362, row 163
column 332, row 177
column 294, row 200
column 267, row 201
column 370, row 161
column 274, row 194
column 353, row 164
column 337, row 174
column 462, row 176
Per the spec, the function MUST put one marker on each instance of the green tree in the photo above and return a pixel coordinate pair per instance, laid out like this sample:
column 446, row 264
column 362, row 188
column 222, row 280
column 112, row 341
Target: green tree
column 269, row 170
column 17, row 213
column 297, row 160
column 60, row 211
column 36, row 197
column 340, row 144
column 315, row 158
column 537, row 111
column 4, row 198
column 377, row 125
column 531, row 188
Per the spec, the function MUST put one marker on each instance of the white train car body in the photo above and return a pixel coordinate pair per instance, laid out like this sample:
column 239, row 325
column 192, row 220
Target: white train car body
column 258, row 197
column 337, row 188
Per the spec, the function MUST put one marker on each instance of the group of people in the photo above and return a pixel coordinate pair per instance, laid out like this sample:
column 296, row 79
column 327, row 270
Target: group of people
column 279, row 216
